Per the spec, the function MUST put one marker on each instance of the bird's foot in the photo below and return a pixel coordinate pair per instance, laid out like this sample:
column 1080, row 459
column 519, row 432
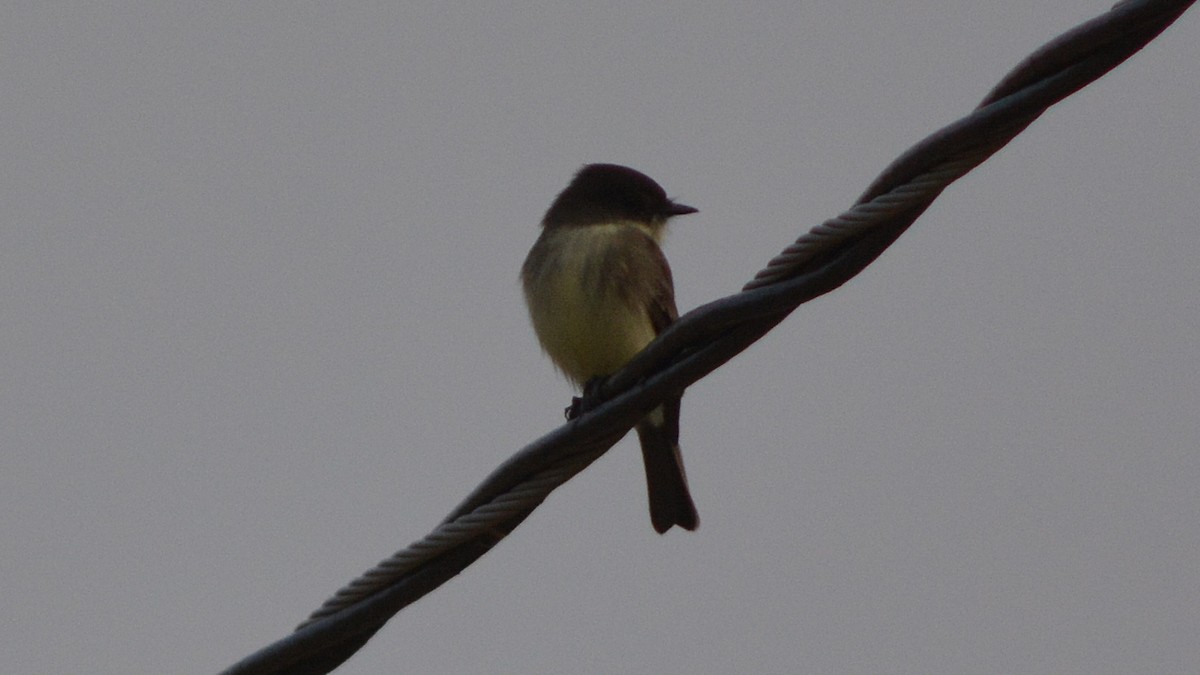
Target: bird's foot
column 590, row 399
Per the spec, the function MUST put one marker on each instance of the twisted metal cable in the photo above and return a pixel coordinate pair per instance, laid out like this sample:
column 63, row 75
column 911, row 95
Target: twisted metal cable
column 861, row 218
column 816, row 263
column 488, row 517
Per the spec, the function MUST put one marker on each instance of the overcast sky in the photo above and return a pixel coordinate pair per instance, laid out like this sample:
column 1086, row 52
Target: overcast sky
column 261, row 327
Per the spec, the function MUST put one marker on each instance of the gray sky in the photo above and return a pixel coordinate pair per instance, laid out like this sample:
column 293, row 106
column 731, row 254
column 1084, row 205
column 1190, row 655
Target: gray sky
column 262, row 327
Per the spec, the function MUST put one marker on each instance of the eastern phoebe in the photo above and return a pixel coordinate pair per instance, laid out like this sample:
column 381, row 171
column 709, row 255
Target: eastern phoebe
column 599, row 290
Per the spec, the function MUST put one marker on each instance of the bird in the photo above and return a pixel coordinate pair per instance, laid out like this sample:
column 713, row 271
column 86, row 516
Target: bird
column 599, row 289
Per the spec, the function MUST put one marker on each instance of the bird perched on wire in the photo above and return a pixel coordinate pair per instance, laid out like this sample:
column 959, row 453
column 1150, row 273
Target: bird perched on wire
column 599, row 290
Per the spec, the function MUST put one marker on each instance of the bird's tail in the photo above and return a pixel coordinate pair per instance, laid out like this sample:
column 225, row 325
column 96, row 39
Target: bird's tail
column 670, row 501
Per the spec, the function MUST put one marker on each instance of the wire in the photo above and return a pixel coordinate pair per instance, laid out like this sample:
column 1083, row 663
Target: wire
column 700, row 341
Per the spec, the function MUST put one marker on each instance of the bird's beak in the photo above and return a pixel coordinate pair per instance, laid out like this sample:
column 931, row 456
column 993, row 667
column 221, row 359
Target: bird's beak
column 680, row 209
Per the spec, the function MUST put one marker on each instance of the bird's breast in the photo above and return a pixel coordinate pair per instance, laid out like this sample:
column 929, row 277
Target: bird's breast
column 586, row 325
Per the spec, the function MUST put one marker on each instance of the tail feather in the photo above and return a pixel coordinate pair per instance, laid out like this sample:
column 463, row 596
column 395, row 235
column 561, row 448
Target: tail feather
column 670, row 501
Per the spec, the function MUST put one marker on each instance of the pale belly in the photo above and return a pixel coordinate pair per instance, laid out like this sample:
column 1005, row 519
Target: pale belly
column 587, row 333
